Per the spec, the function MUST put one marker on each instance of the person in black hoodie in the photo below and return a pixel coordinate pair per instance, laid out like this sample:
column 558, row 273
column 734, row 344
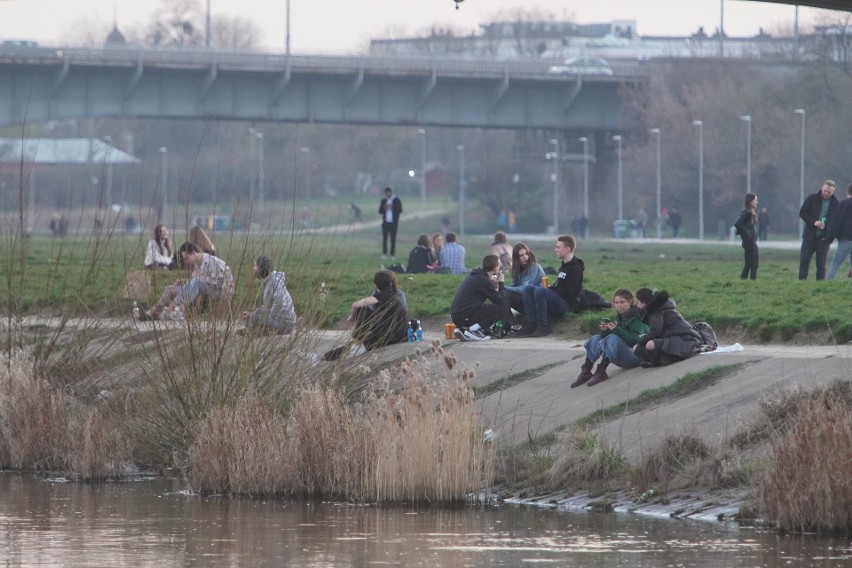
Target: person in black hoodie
column 840, row 228
column 671, row 338
column 816, row 212
column 421, row 258
column 480, row 301
column 542, row 303
column 746, row 225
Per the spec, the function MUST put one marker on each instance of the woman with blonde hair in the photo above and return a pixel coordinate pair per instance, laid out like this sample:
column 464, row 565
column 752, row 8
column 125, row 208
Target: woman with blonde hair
column 159, row 255
column 198, row 237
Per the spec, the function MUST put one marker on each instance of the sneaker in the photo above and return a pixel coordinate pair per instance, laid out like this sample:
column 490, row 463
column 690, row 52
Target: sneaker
column 173, row 315
column 459, row 335
column 475, row 335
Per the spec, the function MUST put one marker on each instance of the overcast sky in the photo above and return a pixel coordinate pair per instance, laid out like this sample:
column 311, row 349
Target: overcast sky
column 345, row 26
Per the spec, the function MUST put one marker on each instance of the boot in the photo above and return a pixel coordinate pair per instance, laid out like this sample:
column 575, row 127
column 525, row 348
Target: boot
column 585, row 374
column 600, row 374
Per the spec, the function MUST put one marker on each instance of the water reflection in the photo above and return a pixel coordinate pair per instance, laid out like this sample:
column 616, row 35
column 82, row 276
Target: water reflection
column 155, row 523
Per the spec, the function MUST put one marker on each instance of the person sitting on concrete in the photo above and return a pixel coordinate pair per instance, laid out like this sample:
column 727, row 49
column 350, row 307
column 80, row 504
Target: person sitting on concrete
column 277, row 314
column 542, row 304
column 421, row 258
column 376, row 321
column 210, row 280
column 614, row 341
column 480, row 302
column 452, row 256
column 670, row 338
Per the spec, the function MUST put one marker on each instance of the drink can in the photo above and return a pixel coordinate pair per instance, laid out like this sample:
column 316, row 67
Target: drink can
column 449, row 330
column 545, row 283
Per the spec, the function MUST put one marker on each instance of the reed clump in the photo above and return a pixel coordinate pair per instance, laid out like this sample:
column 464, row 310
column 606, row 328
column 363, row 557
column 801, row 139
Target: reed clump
column 581, row 456
column 412, row 435
column 806, row 486
column 675, row 453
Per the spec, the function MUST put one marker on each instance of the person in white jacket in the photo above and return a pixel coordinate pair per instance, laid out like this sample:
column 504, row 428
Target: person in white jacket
column 276, row 314
column 160, row 253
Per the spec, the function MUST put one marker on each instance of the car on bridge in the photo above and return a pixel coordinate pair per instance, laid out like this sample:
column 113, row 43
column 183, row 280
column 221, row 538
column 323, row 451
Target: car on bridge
column 583, row 65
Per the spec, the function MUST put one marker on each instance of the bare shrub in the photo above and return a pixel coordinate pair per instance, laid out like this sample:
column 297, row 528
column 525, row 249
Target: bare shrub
column 674, row 453
column 807, row 486
column 580, row 456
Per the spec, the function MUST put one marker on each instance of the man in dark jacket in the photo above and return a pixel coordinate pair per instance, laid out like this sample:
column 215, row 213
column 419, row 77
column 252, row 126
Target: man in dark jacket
column 840, row 228
column 671, row 338
column 542, row 303
column 816, row 212
column 480, row 301
column 390, row 208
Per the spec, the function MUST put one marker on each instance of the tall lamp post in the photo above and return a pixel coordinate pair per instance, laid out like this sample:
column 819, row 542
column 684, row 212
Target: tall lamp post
column 460, row 148
column 585, row 142
column 164, row 164
column 252, row 192
column 260, row 181
column 110, row 170
column 422, row 165
column 617, row 138
column 656, row 132
column 700, row 126
column 555, row 157
column 747, row 120
column 801, row 111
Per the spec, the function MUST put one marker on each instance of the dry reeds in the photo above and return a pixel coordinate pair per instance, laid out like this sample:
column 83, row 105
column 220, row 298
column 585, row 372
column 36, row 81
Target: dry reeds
column 807, row 486
column 581, row 457
column 675, row 453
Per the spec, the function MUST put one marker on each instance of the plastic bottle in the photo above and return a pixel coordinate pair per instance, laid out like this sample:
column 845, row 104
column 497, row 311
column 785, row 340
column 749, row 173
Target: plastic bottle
column 135, row 310
column 409, row 333
column 499, row 331
column 419, row 331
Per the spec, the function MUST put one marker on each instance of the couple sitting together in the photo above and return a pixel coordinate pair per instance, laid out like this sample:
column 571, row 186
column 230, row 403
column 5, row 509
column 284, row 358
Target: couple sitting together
column 650, row 333
column 482, row 299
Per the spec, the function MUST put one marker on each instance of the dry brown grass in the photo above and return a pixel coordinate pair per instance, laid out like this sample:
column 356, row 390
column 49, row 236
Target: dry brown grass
column 807, row 485
column 677, row 452
column 580, row 457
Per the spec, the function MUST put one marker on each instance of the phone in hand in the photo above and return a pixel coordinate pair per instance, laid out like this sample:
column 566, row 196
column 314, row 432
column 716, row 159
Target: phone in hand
column 606, row 320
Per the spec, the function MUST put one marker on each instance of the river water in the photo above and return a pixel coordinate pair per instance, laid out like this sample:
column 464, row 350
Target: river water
column 155, row 523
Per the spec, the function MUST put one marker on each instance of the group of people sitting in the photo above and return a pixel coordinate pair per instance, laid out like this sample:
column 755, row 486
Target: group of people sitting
column 482, row 299
column 210, row 280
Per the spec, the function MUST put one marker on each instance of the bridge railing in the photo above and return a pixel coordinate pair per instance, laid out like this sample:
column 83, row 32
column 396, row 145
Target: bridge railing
column 193, row 58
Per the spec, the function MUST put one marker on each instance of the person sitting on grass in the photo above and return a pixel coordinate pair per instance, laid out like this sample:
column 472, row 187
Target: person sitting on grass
column 210, row 280
column 277, row 314
column 421, row 258
column 451, row 256
column 526, row 271
column 159, row 255
column 670, row 338
column 614, row 342
column 480, row 302
column 543, row 304
column 376, row 321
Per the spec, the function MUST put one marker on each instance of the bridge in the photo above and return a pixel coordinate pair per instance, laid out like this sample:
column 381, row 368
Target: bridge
column 39, row 84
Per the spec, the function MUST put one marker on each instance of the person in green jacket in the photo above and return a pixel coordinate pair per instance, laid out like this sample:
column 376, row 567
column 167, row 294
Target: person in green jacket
column 614, row 343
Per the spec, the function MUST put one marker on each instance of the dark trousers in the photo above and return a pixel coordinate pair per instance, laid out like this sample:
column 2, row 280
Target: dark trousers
column 485, row 315
column 516, row 301
column 809, row 247
column 389, row 230
column 751, row 260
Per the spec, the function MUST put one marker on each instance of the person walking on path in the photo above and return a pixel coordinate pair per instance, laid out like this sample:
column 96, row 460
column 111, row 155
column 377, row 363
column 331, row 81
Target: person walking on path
column 481, row 301
column 276, row 314
column 614, row 342
column 747, row 225
column 542, row 304
column 817, row 211
column 840, row 228
column 675, row 221
column 390, row 208
column 763, row 227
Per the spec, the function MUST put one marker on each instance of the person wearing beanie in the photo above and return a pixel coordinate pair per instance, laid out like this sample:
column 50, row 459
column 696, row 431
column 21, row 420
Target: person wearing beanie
column 614, row 343
column 276, row 314
column 670, row 338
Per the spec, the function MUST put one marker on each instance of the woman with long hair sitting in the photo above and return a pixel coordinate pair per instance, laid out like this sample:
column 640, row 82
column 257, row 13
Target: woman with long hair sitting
column 160, row 253
column 526, row 271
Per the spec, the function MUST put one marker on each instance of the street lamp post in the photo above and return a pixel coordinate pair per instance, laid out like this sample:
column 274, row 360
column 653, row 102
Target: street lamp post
column 585, row 142
column 460, row 148
column 252, row 163
column 422, row 165
column 747, row 120
column 700, row 126
column 109, row 170
column 658, row 134
column 617, row 138
column 801, row 112
column 555, row 156
column 307, row 176
column 164, row 164
column 260, row 181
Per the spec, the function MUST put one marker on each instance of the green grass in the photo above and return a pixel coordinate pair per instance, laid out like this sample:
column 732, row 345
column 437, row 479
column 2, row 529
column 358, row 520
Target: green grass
column 512, row 380
column 82, row 275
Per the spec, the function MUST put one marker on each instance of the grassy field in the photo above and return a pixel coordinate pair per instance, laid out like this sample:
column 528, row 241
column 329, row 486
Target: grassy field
column 87, row 274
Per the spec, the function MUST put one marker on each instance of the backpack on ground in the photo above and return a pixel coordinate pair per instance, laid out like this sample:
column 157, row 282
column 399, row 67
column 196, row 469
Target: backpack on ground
column 590, row 300
column 708, row 336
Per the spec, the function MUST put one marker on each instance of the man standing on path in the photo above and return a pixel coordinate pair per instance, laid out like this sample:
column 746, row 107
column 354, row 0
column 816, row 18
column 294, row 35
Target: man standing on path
column 816, row 212
column 840, row 228
column 540, row 303
column 390, row 208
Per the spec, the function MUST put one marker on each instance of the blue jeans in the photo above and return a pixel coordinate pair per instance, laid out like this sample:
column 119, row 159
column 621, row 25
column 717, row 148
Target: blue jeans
column 539, row 303
column 844, row 251
column 190, row 291
column 613, row 348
